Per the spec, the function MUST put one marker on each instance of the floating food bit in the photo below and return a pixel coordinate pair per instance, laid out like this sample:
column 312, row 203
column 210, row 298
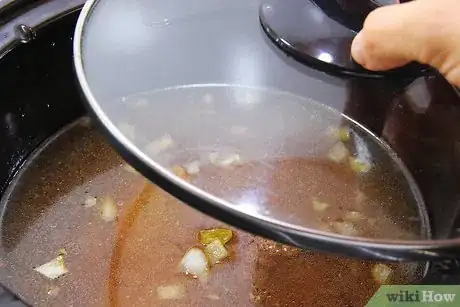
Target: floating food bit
column 89, row 202
column 224, row 159
column 319, row 206
column 213, row 297
column 53, row 269
column 171, row 292
column 207, row 236
column 345, row 228
column 108, row 209
column 358, row 166
column 53, row 291
column 179, row 171
column 338, row 152
column 382, row 273
column 213, row 157
column 231, row 160
column 342, row 134
column 192, row 168
column 160, row 145
column 354, row 216
column 194, row 263
column 216, row 252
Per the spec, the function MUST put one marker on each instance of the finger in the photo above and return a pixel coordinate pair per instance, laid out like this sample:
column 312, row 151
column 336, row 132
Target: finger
column 420, row 30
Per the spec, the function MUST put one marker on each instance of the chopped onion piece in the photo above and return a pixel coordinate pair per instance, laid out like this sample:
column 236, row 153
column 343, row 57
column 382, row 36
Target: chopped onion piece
column 90, row 201
column 342, row 134
column 194, row 263
column 108, row 209
column 171, row 292
column 162, row 144
column 216, row 251
column 53, row 269
column 179, row 171
column 230, row 160
column 207, row 236
column 338, row 152
column 213, row 156
column 53, row 291
column 319, row 206
column 224, row 160
column 358, row 166
column 213, row 297
column 345, row 228
column 192, row 168
column 353, row 216
column 381, row 273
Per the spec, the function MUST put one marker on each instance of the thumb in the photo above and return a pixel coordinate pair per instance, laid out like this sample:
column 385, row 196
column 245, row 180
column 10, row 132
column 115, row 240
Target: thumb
column 423, row 30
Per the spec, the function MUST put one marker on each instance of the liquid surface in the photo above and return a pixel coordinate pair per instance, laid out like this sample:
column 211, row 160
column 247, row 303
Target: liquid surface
column 122, row 262
column 283, row 153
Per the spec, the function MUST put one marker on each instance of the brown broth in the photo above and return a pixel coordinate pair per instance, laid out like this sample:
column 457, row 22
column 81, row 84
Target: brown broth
column 286, row 189
column 121, row 263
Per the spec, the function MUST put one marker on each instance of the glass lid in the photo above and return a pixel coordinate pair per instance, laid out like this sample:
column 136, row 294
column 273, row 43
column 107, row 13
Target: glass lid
column 199, row 99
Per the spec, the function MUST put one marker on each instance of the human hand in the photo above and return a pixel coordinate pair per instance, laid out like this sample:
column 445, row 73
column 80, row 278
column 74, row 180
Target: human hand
column 426, row 31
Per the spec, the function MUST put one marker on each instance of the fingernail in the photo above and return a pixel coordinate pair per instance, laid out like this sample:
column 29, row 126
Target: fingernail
column 357, row 49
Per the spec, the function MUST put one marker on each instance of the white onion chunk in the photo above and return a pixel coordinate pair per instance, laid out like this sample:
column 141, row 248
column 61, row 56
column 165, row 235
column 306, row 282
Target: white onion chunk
column 53, row 269
column 171, row 292
column 216, row 252
column 194, row 263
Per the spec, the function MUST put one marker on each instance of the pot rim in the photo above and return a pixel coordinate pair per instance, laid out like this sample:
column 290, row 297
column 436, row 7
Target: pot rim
column 28, row 17
column 34, row 16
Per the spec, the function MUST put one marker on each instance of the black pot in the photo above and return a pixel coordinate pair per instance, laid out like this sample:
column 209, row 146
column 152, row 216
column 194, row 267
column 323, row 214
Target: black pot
column 38, row 91
column 39, row 95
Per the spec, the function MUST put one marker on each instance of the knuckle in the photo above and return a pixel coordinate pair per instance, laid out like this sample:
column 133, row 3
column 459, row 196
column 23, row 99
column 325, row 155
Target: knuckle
column 370, row 52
